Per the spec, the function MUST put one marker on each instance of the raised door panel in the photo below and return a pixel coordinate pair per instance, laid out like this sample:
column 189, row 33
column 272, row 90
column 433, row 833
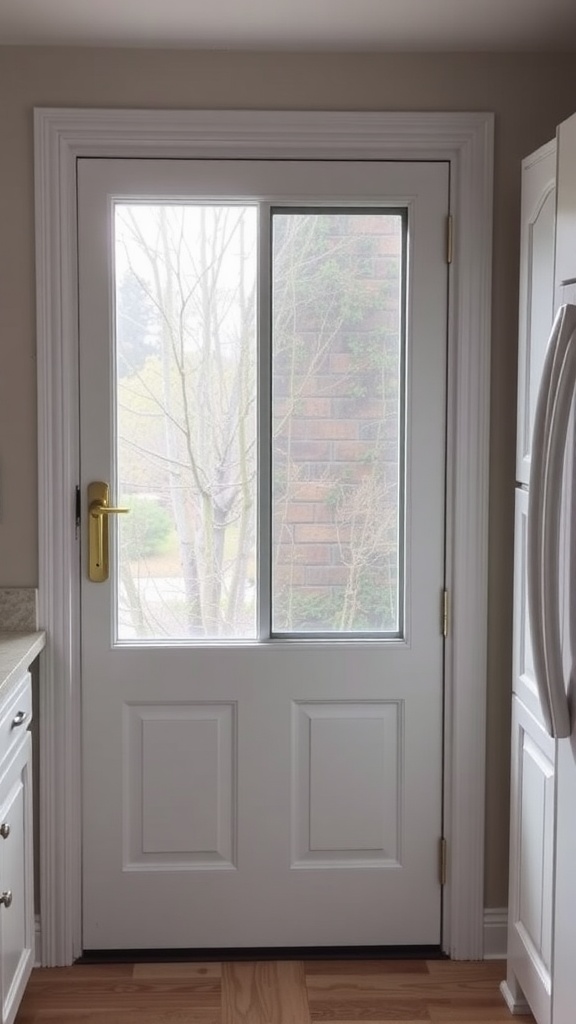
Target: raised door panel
column 566, row 205
column 531, row 855
column 536, row 290
column 347, row 783
column 16, row 914
column 565, row 861
column 179, row 786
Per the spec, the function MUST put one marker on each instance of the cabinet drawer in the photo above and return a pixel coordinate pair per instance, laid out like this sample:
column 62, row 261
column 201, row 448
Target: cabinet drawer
column 15, row 716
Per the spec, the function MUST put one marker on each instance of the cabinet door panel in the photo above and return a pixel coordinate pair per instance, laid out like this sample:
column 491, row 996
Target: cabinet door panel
column 566, row 216
column 536, row 290
column 532, row 854
column 17, row 919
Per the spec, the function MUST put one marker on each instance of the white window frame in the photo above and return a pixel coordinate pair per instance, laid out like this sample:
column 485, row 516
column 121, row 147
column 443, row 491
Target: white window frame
column 466, row 141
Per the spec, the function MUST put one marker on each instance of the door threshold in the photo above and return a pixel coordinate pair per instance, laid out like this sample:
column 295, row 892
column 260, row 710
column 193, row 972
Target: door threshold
column 106, row 956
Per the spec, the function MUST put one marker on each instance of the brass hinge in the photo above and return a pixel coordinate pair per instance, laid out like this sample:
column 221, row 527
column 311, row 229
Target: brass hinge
column 449, row 239
column 443, row 861
column 444, row 614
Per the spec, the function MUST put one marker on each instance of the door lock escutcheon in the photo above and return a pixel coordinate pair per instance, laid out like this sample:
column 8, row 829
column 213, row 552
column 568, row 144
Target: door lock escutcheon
column 98, row 511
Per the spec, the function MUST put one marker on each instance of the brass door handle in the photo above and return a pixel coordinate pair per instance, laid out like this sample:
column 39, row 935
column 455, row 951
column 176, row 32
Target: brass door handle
column 6, row 898
column 99, row 510
column 96, row 509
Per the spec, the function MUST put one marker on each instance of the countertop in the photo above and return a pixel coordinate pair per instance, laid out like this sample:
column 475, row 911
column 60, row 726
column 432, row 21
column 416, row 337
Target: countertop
column 17, row 652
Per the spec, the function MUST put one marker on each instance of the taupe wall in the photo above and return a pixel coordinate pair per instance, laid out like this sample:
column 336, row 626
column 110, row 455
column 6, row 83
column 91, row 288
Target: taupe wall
column 529, row 95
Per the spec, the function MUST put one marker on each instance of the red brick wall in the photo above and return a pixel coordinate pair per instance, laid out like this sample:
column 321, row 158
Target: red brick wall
column 336, row 419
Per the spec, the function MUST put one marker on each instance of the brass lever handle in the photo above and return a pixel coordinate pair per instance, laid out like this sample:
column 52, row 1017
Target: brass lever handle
column 96, row 509
column 99, row 510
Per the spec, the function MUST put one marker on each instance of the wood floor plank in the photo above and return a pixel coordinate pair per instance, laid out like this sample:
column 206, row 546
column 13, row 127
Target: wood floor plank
column 140, row 1016
column 320, row 985
column 463, row 1018
column 78, row 971
column 121, row 994
column 464, row 988
column 496, row 1013
column 177, row 970
column 380, row 1010
column 327, row 967
column 495, row 969
column 264, row 992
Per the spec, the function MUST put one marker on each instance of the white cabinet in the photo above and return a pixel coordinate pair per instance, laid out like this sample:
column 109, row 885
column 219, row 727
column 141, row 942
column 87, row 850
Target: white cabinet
column 566, row 217
column 542, row 895
column 533, row 794
column 533, row 767
column 16, row 873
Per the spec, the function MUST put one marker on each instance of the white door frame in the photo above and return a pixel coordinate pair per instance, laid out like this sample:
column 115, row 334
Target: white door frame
column 466, row 141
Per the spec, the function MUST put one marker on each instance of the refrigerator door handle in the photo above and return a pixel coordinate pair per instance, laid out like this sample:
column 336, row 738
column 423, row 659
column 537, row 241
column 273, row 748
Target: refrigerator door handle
column 553, row 407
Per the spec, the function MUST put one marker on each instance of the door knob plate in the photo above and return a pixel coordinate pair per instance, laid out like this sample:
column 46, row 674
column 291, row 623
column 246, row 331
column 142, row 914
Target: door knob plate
column 99, row 511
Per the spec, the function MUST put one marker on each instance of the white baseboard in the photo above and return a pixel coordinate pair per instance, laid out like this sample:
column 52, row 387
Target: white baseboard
column 495, row 933
column 514, row 1005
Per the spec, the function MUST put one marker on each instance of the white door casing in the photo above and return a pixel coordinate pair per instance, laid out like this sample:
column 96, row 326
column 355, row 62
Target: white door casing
column 307, row 766
column 466, row 141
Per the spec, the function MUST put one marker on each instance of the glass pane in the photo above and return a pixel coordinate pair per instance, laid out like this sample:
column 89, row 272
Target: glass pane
column 186, row 420
column 337, row 405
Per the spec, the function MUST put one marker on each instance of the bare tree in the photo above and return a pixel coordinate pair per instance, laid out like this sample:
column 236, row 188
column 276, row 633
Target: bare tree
column 201, row 384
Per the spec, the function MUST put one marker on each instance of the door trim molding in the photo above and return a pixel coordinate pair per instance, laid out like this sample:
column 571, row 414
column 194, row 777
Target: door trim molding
column 466, row 141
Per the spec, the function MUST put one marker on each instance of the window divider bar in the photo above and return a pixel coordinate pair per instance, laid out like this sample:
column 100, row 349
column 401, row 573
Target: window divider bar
column 264, row 427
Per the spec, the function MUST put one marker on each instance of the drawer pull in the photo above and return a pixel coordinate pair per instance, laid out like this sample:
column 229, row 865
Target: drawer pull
column 6, row 898
column 19, row 719
column 4, row 830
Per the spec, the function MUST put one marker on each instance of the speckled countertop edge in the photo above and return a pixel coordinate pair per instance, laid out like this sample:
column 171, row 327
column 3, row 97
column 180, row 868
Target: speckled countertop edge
column 17, row 652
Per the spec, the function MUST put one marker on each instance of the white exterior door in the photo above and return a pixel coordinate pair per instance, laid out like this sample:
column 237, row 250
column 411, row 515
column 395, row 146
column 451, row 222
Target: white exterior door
column 263, row 366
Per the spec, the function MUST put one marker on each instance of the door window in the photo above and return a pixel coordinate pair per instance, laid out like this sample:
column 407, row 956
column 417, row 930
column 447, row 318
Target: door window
column 337, row 401
column 186, row 419
column 238, row 503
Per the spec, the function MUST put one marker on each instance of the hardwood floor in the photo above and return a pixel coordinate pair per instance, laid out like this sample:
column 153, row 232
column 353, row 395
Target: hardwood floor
column 270, row 992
